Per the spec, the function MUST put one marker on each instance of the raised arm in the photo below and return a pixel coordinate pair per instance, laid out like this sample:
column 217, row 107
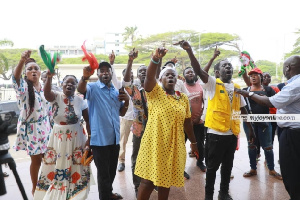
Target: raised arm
column 83, row 81
column 131, row 56
column 195, row 64
column 18, row 70
column 150, row 80
column 246, row 78
column 216, row 54
column 114, row 79
column 48, row 93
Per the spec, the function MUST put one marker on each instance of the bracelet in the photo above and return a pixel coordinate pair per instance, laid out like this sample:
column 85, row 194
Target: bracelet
column 83, row 79
column 194, row 143
column 155, row 62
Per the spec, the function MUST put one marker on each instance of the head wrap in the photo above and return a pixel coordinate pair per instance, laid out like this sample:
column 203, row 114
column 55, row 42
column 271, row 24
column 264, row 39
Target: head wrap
column 162, row 72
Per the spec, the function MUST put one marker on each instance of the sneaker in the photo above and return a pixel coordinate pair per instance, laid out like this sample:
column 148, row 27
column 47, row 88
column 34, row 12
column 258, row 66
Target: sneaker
column 201, row 166
column 121, row 167
column 186, row 175
column 224, row 196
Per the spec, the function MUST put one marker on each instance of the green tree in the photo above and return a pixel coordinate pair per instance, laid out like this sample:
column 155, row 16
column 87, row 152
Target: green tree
column 296, row 50
column 4, row 63
column 130, row 33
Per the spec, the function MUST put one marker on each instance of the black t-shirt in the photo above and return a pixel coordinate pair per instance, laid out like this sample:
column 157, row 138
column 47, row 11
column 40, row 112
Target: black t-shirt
column 257, row 108
column 280, row 86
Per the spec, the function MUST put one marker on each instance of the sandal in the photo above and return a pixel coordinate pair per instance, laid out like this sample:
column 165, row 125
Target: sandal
column 250, row 173
column 275, row 175
column 115, row 196
column 191, row 154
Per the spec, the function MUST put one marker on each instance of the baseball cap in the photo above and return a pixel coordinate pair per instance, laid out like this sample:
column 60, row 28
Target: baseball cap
column 104, row 64
column 255, row 70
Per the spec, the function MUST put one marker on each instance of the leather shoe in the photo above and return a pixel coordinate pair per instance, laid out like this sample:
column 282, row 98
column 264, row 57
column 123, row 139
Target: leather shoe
column 121, row 167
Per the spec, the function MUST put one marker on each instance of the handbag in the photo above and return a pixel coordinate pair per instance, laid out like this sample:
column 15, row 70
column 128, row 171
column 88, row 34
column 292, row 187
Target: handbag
column 263, row 125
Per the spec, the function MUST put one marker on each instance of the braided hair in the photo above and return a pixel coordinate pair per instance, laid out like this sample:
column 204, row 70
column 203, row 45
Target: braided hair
column 31, row 93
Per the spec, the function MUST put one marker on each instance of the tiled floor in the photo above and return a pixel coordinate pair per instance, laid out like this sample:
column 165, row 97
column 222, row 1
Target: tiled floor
column 261, row 186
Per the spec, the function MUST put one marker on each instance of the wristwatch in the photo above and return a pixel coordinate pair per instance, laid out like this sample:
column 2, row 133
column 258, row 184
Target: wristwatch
column 250, row 94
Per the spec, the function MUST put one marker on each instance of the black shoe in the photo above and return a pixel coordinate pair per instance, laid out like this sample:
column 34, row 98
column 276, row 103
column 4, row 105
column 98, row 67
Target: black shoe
column 201, row 166
column 209, row 197
column 121, row 167
column 136, row 192
column 186, row 175
column 224, row 196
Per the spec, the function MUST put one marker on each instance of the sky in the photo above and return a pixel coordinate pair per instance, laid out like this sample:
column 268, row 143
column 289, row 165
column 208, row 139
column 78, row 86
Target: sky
column 265, row 27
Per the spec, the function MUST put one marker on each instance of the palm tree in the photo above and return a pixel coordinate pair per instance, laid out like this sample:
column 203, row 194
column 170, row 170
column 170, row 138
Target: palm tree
column 129, row 33
column 4, row 65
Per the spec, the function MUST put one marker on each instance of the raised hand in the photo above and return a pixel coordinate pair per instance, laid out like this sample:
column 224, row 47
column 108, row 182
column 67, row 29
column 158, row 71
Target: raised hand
column 112, row 57
column 174, row 60
column 133, row 54
column 184, row 44
column 216, row 52
column 87, row 72
column 160, row 52
column 25, row 55
column 49, row 74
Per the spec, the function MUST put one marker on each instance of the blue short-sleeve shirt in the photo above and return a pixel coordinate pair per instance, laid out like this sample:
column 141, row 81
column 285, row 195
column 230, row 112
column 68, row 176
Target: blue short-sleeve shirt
column 104, row 110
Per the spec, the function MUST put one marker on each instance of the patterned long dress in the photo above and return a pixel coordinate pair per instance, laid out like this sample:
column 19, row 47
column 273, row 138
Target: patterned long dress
column 62, row 175
column 33, row 130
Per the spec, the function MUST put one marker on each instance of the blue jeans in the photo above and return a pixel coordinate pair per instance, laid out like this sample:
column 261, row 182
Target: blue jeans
column 265, row 139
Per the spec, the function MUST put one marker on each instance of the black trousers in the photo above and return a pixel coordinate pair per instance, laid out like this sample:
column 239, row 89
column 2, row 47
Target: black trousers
column 106, row 161
column 219, row 149
column 289, row 155
column 136, row 143
column 200, row 137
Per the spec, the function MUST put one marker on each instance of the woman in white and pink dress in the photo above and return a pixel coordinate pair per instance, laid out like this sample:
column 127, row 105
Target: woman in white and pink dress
column 62, row 176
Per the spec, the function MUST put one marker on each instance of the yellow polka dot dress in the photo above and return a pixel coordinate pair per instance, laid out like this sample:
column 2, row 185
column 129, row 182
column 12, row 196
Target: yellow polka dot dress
column 162, row 153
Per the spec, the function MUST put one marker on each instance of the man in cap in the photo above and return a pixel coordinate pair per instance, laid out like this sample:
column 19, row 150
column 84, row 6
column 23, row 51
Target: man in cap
column 105, row 106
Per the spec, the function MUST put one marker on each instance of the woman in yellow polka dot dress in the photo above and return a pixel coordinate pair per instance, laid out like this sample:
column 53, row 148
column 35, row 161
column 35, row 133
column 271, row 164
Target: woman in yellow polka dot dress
column 162, row 154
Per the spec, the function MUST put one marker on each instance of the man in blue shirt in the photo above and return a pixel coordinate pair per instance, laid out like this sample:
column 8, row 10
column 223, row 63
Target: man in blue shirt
column 287, row 102
column 105, row 106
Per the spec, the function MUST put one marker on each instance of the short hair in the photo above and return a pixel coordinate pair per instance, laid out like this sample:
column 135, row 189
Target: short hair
column 217, row 66
column 186, row 69
column 169, row 62
column 70, row 76
column 137, row 71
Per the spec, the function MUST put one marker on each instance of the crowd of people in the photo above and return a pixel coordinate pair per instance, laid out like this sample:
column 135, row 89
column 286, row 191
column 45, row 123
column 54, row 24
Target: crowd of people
column 162, row 110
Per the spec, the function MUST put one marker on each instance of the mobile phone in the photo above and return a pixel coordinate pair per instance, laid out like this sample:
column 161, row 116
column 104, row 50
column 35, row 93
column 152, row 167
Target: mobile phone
column 121, row 89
